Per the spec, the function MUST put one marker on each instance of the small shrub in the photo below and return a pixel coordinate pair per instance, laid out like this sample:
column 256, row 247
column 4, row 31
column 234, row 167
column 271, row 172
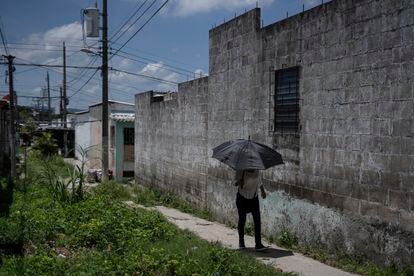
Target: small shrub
column 286, row 238
column 45, row 145
column 115, row 189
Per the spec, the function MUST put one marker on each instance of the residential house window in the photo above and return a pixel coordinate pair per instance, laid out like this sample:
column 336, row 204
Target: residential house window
column 129, row 136
column 287, row 100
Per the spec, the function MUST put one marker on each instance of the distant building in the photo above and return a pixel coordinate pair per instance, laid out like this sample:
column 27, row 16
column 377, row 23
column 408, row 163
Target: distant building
column 88, row 137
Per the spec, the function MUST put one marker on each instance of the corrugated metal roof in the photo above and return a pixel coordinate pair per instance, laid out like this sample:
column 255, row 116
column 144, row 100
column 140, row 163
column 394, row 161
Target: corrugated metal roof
column 122, row 117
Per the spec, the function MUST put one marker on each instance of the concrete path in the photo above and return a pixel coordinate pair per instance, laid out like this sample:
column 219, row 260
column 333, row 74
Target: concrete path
column 278, row 257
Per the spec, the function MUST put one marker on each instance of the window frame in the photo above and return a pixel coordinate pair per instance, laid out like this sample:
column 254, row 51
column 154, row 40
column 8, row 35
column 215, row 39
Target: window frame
column 291, row 124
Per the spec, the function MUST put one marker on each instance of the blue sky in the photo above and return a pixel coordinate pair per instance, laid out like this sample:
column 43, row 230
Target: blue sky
column 173, row 46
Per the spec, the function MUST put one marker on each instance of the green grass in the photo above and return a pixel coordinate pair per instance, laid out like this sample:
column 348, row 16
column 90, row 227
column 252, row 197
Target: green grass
column 99, row 236
column 286, row 239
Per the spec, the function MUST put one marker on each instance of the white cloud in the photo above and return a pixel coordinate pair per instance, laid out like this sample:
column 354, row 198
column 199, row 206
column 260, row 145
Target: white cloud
column 157, row 70
column 199, row 72
column 191, row 7
column 49, row 43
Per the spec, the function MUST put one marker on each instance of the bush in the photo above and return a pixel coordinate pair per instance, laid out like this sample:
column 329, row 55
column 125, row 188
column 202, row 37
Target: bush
column 99, row 236
column 45, row 145
column 286, row 238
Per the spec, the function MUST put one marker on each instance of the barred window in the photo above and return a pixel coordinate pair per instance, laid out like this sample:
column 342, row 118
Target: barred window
column 287, row 100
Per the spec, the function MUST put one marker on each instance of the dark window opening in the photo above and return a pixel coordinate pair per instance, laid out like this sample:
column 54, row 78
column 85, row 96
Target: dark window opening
column 129, row 136
column 287, row 100
column 157, row 98
column 128, row 174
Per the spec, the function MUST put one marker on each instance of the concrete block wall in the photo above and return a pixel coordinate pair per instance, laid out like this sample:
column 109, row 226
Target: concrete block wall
column 171, row 136
column 347, row 182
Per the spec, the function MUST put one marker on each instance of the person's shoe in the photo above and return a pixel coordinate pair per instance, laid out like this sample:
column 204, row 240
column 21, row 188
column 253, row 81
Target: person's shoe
column 241, row 245
column 260, row 247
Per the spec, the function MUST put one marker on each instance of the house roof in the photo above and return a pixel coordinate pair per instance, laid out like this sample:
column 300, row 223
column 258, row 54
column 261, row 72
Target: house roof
column 122, row 117
column 111, row 102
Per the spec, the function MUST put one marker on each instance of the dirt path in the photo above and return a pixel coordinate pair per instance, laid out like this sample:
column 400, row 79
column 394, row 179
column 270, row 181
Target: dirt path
column 278, row 257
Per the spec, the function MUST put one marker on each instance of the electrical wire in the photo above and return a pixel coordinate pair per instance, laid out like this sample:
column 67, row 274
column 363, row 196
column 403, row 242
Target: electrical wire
column 158, row 57
column 52, row 65
column 154, row 65
column 82, row 72
column 41, row 50
column 155, row 61
column 3, row 38
column 146, row 22
column 32, row 69
column 126, row 22
column 77, row 91
column 136, row 20
column 145, row 76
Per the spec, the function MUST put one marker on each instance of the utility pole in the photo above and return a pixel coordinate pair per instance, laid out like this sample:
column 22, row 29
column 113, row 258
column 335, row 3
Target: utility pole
column 12, row 134
column 65, row 133
column 61, row 103
column 48, row 99
column 105, row 143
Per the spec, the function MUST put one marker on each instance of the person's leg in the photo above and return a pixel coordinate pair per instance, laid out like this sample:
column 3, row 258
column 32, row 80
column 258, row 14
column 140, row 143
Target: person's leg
column 257, row 224
column 242, row 219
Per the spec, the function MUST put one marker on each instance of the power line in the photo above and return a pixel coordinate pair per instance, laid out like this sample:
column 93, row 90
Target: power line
column 32, row 69
column 42, row 50
column 152, row 60
column 144, row 76
column 77, row 91
column 136, row 20
column 45, row 45
column 123, row 25
column 3, row 39
column 82, row 72
column 158, row 56
column 149, row 19
column 153, row 65
column 53, row 65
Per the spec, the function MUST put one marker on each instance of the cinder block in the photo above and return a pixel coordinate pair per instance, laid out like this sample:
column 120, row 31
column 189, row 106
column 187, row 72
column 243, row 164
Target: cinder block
column 369, row 177
column 398, row 200
column 391, row 180
column 377, row 194
column 407, row 184
column 389, row 215
column 369, row 209
column 407, row 220
column 360, row 191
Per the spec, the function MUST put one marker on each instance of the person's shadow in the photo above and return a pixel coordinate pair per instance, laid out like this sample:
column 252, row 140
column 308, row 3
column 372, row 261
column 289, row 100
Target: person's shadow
column 268, row 252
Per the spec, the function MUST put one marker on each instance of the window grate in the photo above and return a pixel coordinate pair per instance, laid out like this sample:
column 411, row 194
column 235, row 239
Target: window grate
column 287, row 100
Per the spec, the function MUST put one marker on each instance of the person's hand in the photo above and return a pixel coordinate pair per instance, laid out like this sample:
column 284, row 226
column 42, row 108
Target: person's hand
column 263, row 192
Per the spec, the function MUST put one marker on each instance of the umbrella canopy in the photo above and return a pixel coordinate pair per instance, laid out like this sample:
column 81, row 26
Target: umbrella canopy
column 244, row 154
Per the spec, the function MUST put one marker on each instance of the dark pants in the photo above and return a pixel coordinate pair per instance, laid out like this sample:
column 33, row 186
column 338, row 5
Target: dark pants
column 245, row 206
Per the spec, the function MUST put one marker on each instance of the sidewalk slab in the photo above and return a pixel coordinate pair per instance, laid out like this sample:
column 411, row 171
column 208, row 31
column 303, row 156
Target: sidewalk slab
column 278, row 257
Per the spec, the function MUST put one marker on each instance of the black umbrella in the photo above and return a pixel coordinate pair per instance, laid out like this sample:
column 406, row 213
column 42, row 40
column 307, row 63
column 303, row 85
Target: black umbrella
column 244, row 154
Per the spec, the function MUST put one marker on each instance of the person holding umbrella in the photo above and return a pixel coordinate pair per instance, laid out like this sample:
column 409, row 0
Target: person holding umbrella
column 247, row 201
column 246, row 158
